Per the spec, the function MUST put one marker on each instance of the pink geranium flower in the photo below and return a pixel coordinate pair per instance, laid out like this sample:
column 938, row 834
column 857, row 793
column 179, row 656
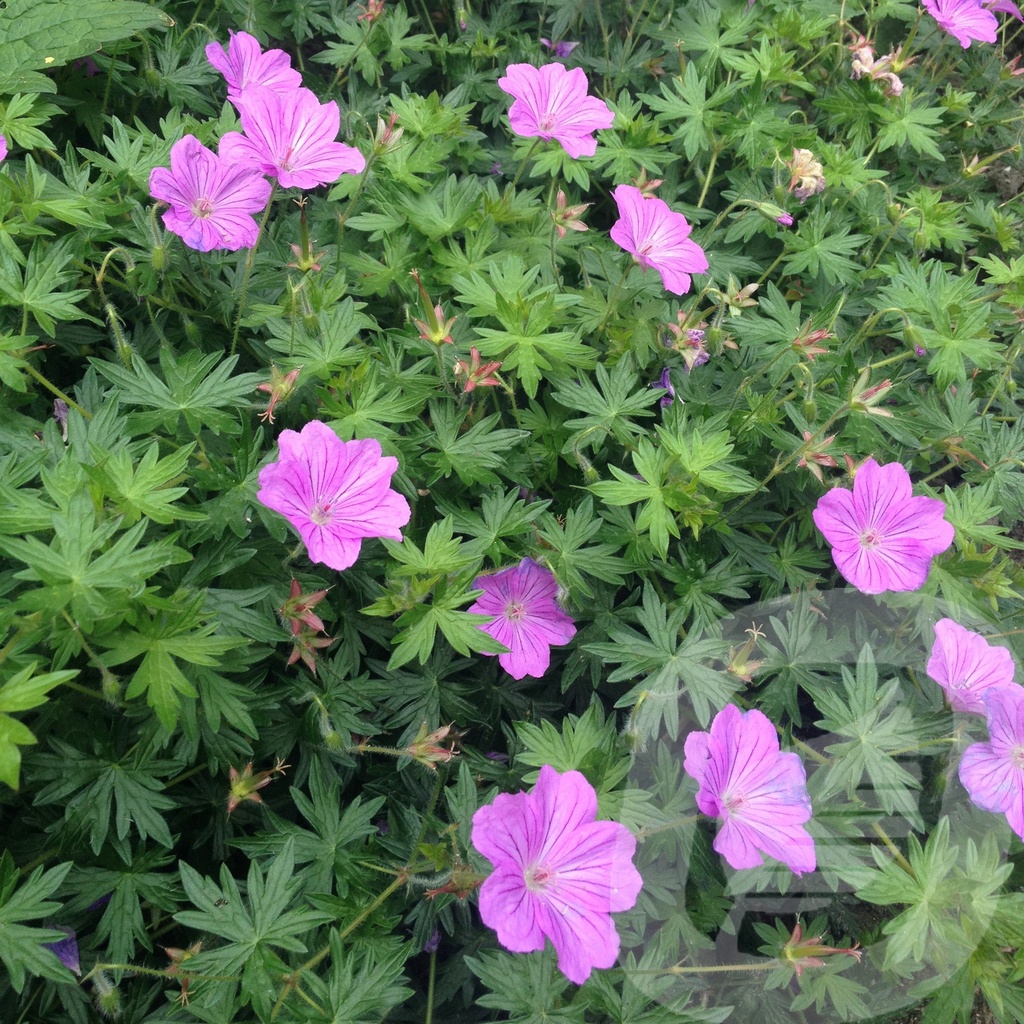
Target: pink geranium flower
column 3, row 148
column 291, row 136
column 966, row 20
column 966, row 666
column 558, row 873
column 246, row 64
column 334, row 492
column 993, row 772
column 657, row 237
column 552, row 102
column 759, row 792
column 527, row 618
column 212, row 200
column 882, row 536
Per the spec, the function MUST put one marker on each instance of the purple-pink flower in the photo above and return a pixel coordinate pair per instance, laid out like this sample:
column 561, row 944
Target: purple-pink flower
column 966, row 666
column 657, row 237
column 552, row 102
column 993, row 772
column 558, row 873
column 759, row 792
column 527, row 618
column 245, row 64
column 292, row 136
column 560, row 49
column 3, row 148
column 334, row 492
column 882, row 536
column 966, row 20
column 212, row 199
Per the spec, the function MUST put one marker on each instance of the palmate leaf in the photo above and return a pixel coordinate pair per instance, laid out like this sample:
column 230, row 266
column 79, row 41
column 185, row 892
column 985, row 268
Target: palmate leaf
column 37, row 34
column 107, row 788
column 21, row 946
column 198, row 387
column 871, row 735
column 268, row 918
column 671, row 666
column 80, row 572
column 21, row 692
column 176, row 634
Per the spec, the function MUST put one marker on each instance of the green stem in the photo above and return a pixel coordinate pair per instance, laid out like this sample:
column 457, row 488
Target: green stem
column 250, row 259
column 70, row 402
column 893, row 849
column 153, row 972
column 611, row 303
column 769, row 965
column 668, row 826
column 431, row 977
column 793, row 457
column 522, row 167
column 708, row 177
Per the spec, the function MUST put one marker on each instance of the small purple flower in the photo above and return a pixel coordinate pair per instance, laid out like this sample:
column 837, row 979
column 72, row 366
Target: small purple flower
column 496, row 168
column 966, row 666
column 430, row 946
column 246, row 64
column 759, row 792
column 527, row 618
column 560, row 49
column 558, row 874
column 212, row 199
column 551, row 102
column 785, row 219
column 3, row 148
column 335, row 493
column 993, row 772
column 883, row 537
column 496, row 755
column 60, row 414
column 665, row 381
column 920, row 351
column 291, row 136
column 66, row 950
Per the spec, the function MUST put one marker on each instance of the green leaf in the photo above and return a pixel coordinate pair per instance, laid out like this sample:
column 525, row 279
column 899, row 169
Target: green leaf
column 21, row 947
column 875, row 736
column 198, row 387
column 49, row 33
column 161, row 639
column 271, row 916
column 39, row 290
column 671, row 666
column 471, row 454
column 21, row 692
column 141, row 490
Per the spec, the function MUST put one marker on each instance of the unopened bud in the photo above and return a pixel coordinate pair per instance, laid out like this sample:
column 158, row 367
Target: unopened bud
column 158, row 257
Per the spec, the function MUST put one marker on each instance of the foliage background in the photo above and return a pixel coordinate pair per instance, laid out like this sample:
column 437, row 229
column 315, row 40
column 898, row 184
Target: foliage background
column 142, row 654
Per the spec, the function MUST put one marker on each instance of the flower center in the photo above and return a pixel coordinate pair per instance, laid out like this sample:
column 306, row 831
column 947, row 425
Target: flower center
column 547, row 122
column 202, row 208
column 733, row 802
column 322, row 512
column 515, row 611
column 538, row 877
column 1017, row 757
column 870, row 539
